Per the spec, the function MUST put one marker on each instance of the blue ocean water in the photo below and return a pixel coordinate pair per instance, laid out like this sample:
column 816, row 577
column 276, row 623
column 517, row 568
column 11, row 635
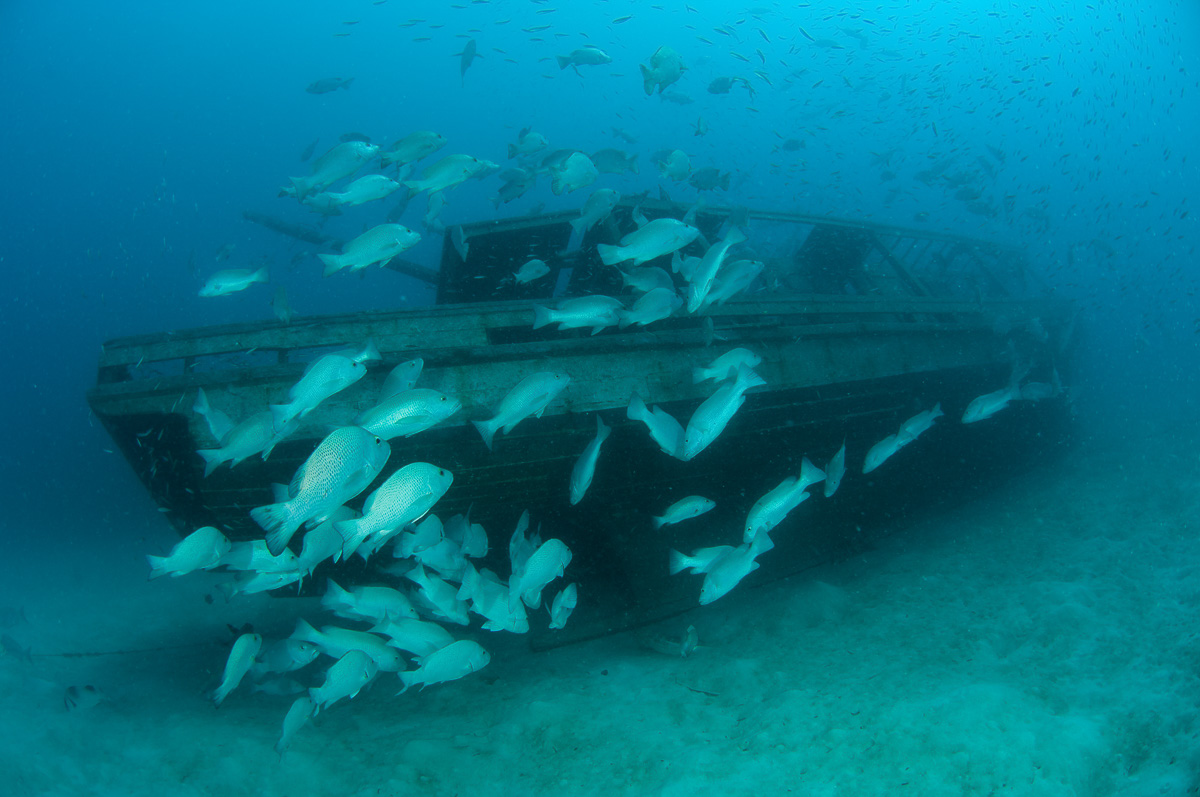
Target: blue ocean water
column 136, row 135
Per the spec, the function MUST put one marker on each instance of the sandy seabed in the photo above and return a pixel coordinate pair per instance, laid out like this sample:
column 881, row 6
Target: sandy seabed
column 1041, row 640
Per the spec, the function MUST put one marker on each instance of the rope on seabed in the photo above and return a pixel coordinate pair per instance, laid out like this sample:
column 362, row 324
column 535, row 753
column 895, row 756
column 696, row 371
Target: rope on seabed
column 127, row 652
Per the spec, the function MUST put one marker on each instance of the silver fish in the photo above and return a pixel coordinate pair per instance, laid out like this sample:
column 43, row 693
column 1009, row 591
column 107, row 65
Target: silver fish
column 328, row 375
column 585, row 466
column 448, row 664
column 342, row 466
column 200, row 550
column 348, row 675
column 529, row 397
column 241, row 658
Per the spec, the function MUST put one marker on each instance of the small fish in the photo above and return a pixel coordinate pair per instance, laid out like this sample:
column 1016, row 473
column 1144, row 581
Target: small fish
column 469, row 53
column 915, row 426
column 200, row 550
column 438, row 597
column 989, row 404
column 284, row 655
column 709, row 179
column 365, row 189
column 337, row 642
column 345, row 678
column 594, row 311
column 413, row 147
column 699, row 562
column 340, row 468
column 726, row 365
column 770, row 510
column 241, row 658
column 562, row 606
column 255, row 435
column 342, row 160
column 654, row 305
column 452, row 662
column 675, row 166
column 727, row 570
column 417, row 637
column 406, row 496
column 446, row 173
column 711, row 417
column 531, row 270
column 218, row 422
column 585, row 466
column 666, row 67
column 232, row 280
column 615, row 161
column 684, row 509
column 377, row 245
column 834, row 471
column 529, row 397
column 881, row 452
column 596, row 209
column 296, row 718
column 408, row 413
column 664, row 429
column 401, row 378
column 528, row 143
column 370, row 604
column 576, row 172
column 588, row 55
column 544, row 565
column 326, row 376
column 253, row 555
column 654, row 239
column 644, row 279
column 327, row 85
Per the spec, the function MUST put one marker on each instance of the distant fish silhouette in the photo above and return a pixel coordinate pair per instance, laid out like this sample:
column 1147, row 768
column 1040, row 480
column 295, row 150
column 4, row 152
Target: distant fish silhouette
column 468, row 55
column 14, row 649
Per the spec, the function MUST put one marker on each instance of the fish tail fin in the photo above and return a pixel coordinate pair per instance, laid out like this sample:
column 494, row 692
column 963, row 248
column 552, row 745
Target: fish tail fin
column 346, row 83
column 212, row 459
column 201, row 405
column 407, row 678
column 699, row 374
column 300, row 186
column 678, row 561
column 810, row 473
column 647, row 80
column 658, row 521
column 278, row 522
column 602, row 429
column 564, row 61
column 333, row 263
column 487, row 430
column 512, row 151
column 937, row 412
column 637, row 409
column 262, row 275
column 611, row 255
column 632, row 164
column 541, row 316
column 158, row 565
column 220, row 693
